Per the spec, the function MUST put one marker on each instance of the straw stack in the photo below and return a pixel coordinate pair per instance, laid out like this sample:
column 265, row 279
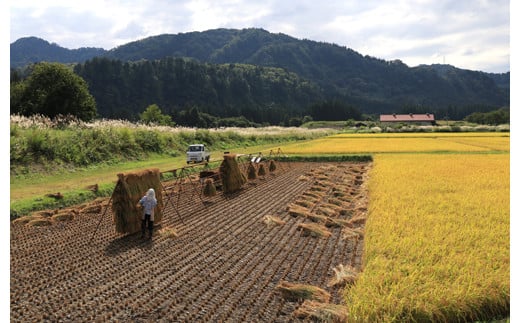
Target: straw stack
column 130, row 188
column 232, row 177
column 251, row 171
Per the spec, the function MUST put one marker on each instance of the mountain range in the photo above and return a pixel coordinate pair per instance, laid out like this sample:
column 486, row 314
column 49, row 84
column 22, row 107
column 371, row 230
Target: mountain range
column 373, row 85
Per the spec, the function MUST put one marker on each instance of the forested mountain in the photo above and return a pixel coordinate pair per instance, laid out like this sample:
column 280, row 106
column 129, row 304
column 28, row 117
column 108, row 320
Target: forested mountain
column 30, row 50
column 325, row 71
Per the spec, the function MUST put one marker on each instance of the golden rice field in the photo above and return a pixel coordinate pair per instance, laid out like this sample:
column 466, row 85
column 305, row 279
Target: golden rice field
column 401, row 143
column 437, row 235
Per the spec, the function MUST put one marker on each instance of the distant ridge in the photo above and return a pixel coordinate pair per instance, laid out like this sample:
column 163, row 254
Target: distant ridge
column 367, row 82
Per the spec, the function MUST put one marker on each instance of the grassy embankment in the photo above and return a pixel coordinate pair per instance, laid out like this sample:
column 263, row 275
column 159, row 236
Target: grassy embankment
column 437, row 235
column 49, row 157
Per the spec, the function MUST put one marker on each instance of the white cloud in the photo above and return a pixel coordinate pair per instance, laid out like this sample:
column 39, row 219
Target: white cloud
column 415, row 31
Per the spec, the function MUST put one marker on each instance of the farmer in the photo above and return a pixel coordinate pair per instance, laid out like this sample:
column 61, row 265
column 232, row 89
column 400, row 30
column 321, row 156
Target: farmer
column 148, row 203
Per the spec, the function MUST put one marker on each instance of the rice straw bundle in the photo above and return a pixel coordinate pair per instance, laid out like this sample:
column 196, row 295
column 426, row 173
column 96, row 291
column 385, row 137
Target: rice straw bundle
column 209, row 188
column 314, row 230
column 296, row 292
column 251, row 171
column 261, row 170
column 343, row 275
column 322, row 312
column 130, row 188
column 232, row 177
column 272, row 166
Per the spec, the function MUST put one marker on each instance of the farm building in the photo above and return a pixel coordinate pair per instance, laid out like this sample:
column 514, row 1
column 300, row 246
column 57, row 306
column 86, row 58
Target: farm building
column 415, row 118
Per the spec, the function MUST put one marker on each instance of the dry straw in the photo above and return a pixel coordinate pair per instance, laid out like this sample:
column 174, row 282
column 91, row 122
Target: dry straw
column 261, row 170
column 169, row 233
column 297, row 292
column 272, row 166
column 343, row 275
column 322, row 312
column 271, row 220
column 251, row 171
column 209, row 188
column 314, row 230
column 130, row 188
column 232, row 177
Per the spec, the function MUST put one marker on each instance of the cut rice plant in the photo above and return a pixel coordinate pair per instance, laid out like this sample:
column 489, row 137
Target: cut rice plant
column 351, row 233
column 343, row 275
column 305, row 203
column 39, row 222
column 322, row 312
column 303, row 178
column 314, row 230
column 92, row 208
column 26, row 218
column 272, row 220
column 251, row 171
column 296, row 210
column 261, row 170
column 63, row 216
column 169, row 233
column 298, row 292
column 326, row 211
column 209, row 188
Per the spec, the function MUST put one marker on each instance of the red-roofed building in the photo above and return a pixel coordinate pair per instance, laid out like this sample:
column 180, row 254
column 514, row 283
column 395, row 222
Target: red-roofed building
column 428, row 117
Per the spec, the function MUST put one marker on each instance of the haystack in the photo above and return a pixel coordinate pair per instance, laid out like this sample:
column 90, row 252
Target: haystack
column 130, row 188
column 261, row 170
column 272, row 166
column 209, row 188
column 232, row 177
column 251, row 171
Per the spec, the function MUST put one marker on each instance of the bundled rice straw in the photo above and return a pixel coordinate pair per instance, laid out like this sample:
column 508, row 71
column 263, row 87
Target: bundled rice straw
column 26, row 219
column 261, row 170
column 295, row 292
column 272, row 166
column 251, row 171
column 39, row 222
column 343, row 275
column 232, row 177
column 322, row 312
column 271, row 220
column 296, row 210
column 169, row 233
column 130, row 188
column 314, row 230
column 209, row 188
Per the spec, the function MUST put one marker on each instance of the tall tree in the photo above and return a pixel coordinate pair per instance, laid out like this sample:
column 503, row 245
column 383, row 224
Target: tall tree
column 53, row 89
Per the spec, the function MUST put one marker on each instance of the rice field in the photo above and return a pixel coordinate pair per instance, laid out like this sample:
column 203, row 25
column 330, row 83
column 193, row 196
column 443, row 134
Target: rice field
column 403, row 143
column 437, row 236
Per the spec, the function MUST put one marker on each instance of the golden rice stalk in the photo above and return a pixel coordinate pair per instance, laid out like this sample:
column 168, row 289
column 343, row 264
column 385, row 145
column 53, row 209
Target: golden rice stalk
column 295, row 292
column 321, row 312
column 343, row 275
column 272, row 220
column 314, row 230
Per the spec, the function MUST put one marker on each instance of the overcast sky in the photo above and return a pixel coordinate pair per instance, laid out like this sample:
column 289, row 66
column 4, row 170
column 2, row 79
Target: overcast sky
column 470, row 34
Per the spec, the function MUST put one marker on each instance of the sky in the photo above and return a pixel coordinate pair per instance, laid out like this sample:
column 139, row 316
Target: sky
column 469, row 34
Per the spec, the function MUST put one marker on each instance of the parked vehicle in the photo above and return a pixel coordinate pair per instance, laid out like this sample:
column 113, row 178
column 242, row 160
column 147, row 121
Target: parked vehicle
column 197, row 154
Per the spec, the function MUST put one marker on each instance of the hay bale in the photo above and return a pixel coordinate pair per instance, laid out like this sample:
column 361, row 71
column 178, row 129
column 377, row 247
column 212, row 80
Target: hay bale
column 251, row 171
column 321, row 312
column 232, row 177
column 130, row 188
column 209, row 188
column 297, row 292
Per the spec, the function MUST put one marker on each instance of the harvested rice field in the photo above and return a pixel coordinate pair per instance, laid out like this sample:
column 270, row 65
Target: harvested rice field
column 225, row 258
